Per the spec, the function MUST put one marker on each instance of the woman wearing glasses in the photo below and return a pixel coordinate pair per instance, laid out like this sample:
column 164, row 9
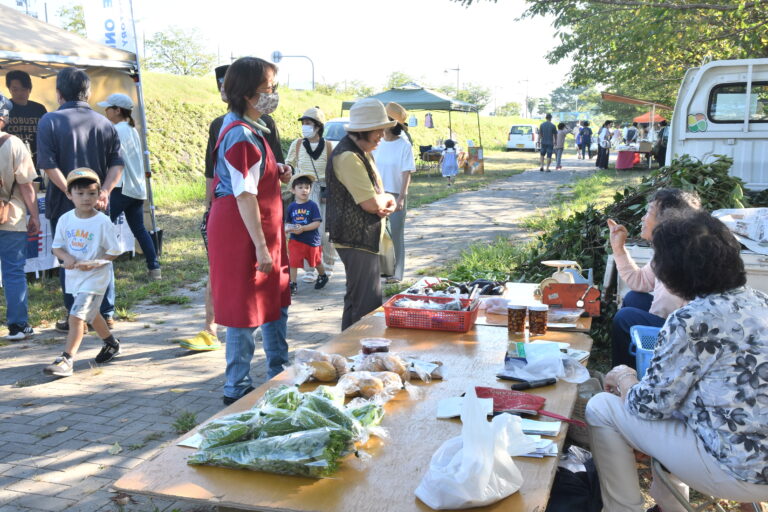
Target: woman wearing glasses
column 248, row 262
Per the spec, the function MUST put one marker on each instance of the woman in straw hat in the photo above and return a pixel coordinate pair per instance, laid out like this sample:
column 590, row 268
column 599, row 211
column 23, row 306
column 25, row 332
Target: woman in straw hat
column 309, row 155
column 246, row 240
column 394, row 159
column 357, row 207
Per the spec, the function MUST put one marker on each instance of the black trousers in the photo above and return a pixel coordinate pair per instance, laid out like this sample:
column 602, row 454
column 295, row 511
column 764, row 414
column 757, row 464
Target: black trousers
column 363, row 293
column 603, row 155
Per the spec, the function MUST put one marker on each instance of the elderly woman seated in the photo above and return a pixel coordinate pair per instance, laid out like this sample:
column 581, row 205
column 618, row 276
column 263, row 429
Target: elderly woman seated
column 702, row 407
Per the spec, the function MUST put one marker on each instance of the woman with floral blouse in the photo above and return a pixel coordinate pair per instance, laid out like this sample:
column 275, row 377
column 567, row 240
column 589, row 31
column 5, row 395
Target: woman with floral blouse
column 702, row 407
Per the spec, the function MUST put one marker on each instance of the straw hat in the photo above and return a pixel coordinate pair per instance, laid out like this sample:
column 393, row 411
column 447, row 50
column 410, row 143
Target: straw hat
column 398, row 113
column 315, row 114
column 368, row 114
column 311, row 177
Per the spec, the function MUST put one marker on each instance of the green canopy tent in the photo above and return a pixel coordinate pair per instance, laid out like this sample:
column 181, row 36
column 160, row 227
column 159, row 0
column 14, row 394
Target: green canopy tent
column 415, row 97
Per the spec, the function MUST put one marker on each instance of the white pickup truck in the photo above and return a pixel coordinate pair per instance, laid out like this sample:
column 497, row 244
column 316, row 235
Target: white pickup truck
column 722, row 109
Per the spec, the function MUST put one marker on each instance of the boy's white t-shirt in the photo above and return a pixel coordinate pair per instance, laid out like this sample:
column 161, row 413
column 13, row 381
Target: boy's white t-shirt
column 393, row 158
column 87, row 239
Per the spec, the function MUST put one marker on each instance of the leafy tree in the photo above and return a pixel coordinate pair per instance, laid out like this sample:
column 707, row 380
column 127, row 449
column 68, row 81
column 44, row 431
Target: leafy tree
column 471, row 93
column 544, row 106
column 512, row 108
column 73, row 19
column 353, row 89
column 398, row 79
column 530, row 104
column 650, row 43
column 566, row 98
column 178, row 51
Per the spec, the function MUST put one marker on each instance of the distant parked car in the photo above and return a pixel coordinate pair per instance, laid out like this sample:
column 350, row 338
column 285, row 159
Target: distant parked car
column 523, row 137
column 335, row 129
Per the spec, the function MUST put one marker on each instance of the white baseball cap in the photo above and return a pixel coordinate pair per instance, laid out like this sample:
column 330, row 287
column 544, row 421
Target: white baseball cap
column 117, row 100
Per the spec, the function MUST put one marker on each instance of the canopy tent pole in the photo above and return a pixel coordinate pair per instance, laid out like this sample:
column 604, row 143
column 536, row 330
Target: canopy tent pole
column 479, row 132
column 147, row 168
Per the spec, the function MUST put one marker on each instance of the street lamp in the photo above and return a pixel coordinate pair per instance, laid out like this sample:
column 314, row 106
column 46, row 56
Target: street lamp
column 457, row 69
column 278, row 56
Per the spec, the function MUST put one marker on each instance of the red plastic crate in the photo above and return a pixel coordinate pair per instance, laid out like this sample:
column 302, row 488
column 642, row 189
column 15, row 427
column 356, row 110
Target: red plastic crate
column 411, row 318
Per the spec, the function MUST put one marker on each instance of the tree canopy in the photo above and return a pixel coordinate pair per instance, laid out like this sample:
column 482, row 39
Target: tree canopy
column 73, row 19
column 178, row 51
column 643, row 47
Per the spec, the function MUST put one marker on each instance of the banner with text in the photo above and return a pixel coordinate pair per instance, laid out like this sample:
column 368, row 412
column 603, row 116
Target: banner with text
column 109, row 22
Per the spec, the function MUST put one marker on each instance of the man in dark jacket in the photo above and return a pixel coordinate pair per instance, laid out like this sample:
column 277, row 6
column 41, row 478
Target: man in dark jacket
column 75, row 136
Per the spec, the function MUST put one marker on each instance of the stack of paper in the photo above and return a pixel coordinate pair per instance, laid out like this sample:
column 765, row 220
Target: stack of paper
column 543, row 428
column 544, row 447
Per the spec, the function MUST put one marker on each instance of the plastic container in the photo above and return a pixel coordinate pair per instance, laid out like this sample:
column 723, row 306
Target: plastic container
column 373, row 345
column 516, row 318
column 537, row 320
column 412, row 318
column 643, row 342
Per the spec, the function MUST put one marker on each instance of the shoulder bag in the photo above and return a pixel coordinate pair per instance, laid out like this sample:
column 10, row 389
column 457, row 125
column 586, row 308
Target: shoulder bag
column 5, row 205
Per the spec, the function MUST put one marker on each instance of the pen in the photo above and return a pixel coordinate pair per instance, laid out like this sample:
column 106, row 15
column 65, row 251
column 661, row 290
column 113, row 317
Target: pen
column 533, row 384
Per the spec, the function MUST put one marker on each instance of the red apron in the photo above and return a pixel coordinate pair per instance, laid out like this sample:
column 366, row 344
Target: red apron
column 243, row 297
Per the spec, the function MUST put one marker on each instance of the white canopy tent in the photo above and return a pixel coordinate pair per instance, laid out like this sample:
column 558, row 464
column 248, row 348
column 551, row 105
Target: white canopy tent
column 42, row 50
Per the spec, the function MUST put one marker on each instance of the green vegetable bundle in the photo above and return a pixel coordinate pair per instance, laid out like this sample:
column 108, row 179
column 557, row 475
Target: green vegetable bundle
column 312, row 453
column 282, row 397
column 369, row 414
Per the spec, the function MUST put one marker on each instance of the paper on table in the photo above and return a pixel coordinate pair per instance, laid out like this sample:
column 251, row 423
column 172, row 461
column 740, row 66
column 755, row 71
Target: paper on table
column 193, row 441
column 544, row 428
column 451, row 407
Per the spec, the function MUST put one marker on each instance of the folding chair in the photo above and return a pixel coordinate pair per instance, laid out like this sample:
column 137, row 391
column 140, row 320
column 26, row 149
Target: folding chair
column 662, row 474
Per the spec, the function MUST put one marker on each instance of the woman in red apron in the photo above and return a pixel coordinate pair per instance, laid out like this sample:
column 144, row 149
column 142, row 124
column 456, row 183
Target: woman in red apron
column 248, row 262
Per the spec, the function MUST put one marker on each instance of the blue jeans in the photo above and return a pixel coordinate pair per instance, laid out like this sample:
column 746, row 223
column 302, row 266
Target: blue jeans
column 107, row 305
column 12, row 259
column 397, row 230
column 239, row 353
column 134, row 215
column 634, row 312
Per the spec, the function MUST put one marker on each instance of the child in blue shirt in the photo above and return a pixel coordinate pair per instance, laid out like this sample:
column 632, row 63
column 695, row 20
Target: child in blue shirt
column 302, row 221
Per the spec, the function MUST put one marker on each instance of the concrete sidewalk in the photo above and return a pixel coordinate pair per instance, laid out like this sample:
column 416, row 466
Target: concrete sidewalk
column 64, row 442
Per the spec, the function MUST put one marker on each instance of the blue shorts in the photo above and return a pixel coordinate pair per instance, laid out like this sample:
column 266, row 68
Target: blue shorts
column 547, row 149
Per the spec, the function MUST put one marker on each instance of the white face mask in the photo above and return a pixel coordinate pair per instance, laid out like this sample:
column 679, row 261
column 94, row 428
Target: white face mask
column 267, row 102
column 308, row 131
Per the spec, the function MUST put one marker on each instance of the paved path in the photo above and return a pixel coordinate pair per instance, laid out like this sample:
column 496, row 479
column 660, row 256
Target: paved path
column 64, row 442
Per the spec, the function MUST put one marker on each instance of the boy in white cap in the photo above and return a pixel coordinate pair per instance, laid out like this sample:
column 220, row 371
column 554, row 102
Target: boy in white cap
column 85, row 243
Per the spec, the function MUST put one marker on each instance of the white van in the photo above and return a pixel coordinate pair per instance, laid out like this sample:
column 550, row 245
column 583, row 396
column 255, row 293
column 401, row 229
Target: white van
column 722, row 109
column 523, row 137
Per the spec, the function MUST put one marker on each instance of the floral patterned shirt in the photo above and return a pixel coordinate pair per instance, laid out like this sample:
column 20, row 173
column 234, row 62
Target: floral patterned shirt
column 710, row 369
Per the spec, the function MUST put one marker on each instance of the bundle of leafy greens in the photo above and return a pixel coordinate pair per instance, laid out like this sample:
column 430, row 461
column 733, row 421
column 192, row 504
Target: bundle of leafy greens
column 368, row 414
column 312, row 453
column 282, row 397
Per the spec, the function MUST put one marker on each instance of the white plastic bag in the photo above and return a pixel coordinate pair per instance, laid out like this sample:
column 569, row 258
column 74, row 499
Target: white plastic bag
column 474, row 469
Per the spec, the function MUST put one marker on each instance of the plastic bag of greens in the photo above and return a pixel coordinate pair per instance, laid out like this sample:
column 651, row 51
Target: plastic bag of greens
column 282, row 397
column 313, row 453
column 275, row 422
column 227, row 434
column 368, row 412
column 332, row 393
column 331, row 411
column 244, row 416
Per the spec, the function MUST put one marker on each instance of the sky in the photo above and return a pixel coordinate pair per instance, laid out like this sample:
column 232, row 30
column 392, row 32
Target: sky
column 366, row 41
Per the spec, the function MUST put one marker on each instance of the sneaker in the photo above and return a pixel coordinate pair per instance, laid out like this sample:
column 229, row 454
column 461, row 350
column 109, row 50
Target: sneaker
column 155, row 274
column 63, row 326
column 321, row 281
column 294, row 288
column 228, row 400
column 108, row 352
column 541, row 169
column 392, row 280
column 19, row 332
column 202, row 341
column 61, row 367
column 308, row 277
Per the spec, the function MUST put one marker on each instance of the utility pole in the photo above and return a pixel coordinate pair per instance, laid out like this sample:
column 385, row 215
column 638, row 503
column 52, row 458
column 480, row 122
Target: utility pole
column 457, row 69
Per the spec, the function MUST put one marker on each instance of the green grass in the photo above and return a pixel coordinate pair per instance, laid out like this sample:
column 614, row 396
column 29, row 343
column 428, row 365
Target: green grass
column 597, row 189
column 427, row 186
column 184, row 422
